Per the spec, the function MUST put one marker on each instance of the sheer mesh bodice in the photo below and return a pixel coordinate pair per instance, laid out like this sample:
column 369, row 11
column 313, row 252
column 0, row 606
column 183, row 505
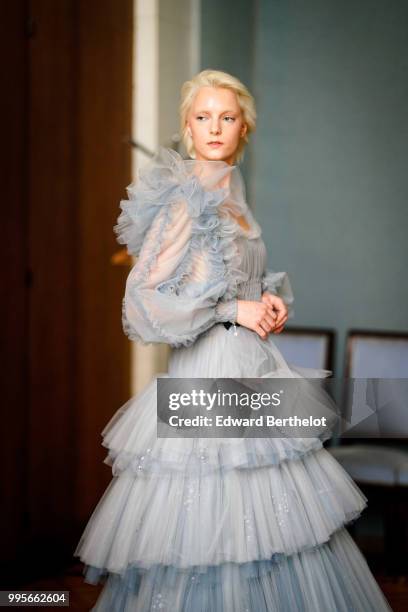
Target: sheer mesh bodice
column 253, row 262
column 194, row 259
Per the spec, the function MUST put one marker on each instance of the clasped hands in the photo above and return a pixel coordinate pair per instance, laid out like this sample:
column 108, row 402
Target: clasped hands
column 268, row 315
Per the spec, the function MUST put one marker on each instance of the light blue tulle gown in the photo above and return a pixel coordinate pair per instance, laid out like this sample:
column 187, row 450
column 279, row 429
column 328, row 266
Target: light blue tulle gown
column 220, row 524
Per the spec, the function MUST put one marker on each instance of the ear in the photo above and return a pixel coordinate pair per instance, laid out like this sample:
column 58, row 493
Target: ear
column 188, row 128
column 244, row 130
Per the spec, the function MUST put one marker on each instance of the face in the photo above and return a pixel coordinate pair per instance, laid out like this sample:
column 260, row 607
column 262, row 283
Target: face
column 216, row 125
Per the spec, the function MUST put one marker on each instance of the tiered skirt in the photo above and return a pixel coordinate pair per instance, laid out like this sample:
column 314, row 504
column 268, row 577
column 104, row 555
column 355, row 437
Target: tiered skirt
column 224, row 524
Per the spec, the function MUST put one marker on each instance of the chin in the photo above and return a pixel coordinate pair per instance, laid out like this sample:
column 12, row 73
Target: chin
column 218, row 154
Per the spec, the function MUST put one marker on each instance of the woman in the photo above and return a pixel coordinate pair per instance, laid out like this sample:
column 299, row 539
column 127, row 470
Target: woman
column 215, row 524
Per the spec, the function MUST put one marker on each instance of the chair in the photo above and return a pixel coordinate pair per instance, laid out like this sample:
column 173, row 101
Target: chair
column 373, row 449
column 307, row 347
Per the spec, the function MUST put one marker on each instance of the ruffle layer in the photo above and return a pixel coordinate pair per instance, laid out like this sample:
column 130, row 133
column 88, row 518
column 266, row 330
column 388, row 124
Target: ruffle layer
column 131, row 439
column 239, row 516
column 332, row 577
column 204, row 456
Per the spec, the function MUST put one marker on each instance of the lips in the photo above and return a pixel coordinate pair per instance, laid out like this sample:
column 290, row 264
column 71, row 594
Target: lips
column 215, row 142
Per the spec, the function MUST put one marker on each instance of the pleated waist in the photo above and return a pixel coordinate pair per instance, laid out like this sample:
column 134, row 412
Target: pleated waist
column 250, row 289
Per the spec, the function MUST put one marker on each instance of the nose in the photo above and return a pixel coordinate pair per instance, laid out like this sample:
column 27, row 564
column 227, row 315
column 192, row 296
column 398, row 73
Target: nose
column 215, row 128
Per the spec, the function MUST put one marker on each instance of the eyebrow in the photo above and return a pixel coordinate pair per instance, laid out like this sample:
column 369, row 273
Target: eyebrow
column 206, row 111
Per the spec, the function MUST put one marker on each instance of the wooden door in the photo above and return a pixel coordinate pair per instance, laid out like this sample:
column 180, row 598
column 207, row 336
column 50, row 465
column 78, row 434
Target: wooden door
column 67, row 161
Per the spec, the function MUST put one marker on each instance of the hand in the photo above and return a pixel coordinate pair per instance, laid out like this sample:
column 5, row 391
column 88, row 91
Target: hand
column 258, row 316
column 278, row 305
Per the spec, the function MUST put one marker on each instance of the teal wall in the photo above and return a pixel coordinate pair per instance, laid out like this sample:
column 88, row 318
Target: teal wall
column 227, row 35
column 328, row 172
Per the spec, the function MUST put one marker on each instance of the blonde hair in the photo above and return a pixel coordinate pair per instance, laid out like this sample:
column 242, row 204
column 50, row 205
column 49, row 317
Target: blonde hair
column 216, row 78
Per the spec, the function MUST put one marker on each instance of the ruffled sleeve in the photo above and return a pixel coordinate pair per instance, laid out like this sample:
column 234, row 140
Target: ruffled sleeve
column 186, row 275
column 278, row 283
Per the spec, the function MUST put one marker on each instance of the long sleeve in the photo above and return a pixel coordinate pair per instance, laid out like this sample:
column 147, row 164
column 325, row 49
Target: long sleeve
column 160, row 306
column 186, row 273
column 278, row 284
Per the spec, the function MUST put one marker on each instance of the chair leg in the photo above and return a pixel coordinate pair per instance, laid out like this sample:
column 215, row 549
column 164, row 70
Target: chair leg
column 394, row 533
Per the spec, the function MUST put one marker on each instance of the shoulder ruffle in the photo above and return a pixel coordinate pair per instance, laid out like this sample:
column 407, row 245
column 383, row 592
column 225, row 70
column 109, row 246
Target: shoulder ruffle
column 213, row 190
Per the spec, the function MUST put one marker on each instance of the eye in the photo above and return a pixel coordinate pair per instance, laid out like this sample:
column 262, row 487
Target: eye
column 232, row 119
column 200, row 117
